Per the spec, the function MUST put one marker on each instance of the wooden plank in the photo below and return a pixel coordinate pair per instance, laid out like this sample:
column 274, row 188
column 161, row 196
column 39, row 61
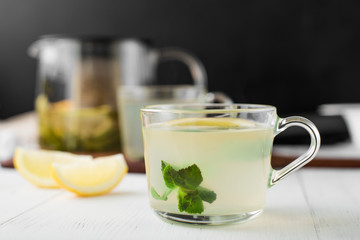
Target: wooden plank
column 344, row 155
column 333, row 197
column 125, row 214
column 69, row 217
column 18, row 196
column 310, row 204
column 279, row 161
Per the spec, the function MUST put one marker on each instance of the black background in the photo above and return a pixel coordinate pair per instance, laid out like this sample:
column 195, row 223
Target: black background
column 295, row 55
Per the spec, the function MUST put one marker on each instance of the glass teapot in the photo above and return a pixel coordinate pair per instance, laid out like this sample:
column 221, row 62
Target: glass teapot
column 78, row 78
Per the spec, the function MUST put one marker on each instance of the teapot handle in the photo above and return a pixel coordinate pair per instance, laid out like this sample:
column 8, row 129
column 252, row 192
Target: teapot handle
column 197, row 69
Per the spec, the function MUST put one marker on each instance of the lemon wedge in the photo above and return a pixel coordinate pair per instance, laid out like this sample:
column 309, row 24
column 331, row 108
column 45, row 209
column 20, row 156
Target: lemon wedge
column 92, row 177
column 35, row 165
column 212, row 122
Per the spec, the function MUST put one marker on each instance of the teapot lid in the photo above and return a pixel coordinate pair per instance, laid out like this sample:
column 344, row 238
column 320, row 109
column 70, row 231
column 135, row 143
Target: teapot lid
column 91, row 44
column 96, row 38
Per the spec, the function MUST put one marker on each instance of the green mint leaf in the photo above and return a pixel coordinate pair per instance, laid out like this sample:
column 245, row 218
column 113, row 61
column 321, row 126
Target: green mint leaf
column 156, row 196
column 206, row 194
column 171, row 177
column 163, row 165
column 190, row 194
column 190, row 177
column 189, row 202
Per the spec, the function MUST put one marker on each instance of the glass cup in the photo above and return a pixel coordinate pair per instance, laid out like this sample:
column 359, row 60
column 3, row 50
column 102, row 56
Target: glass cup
column 211, row 163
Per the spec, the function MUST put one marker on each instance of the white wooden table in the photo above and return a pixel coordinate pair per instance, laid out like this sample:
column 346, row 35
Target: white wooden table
column 313, row 203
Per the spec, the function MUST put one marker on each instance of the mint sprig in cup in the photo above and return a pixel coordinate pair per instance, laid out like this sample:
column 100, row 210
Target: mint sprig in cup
column 186, row 182
column 211, row 163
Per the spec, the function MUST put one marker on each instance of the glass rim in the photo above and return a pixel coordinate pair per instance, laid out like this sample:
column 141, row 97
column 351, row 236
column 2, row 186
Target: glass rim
column 195, row 108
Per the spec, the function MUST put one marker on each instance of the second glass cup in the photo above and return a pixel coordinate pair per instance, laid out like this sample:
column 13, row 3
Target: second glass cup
column 139, row 87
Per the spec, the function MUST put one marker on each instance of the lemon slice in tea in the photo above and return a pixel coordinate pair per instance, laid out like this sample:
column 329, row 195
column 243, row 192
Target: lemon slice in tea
column 211, row 122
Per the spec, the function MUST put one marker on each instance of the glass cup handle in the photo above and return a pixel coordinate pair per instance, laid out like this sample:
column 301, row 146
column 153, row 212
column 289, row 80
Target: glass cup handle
column 197, row 69
column 283, row 124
